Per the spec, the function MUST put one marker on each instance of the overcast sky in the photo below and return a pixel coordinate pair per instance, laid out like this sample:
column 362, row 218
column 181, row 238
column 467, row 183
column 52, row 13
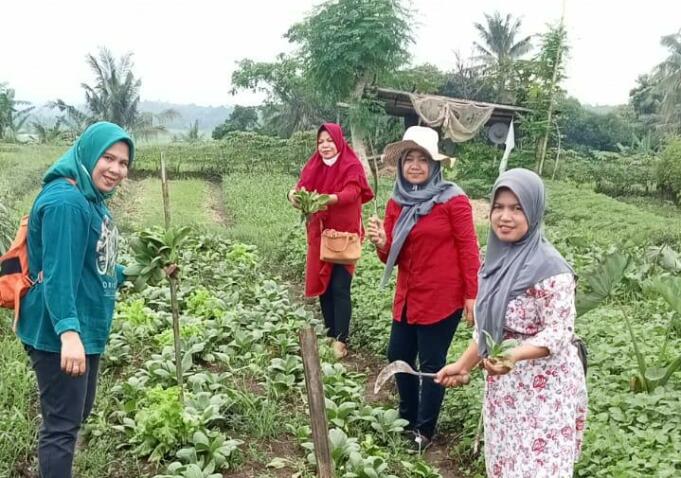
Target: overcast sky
column 185, row 51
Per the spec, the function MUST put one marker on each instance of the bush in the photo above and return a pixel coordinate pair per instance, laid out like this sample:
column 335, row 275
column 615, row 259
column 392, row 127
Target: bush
column 239, row 152
column 669, row 170
column 613, row 174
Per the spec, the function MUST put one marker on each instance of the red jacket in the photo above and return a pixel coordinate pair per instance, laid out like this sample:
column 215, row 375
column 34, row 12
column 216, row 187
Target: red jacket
column 438, row 264
column 344, row 216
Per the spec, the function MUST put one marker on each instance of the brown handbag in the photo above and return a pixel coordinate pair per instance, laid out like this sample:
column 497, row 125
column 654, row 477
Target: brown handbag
column 340, row 247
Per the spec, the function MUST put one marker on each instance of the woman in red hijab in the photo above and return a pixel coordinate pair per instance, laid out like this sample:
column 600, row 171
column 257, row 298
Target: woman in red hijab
column 333, row 169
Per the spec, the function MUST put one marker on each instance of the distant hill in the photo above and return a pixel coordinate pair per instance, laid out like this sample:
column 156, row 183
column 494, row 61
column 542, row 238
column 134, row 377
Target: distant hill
column 208, row 116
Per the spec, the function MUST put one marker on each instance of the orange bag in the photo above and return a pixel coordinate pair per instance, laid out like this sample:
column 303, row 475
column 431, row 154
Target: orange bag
column 340, row 247
column 14, row 279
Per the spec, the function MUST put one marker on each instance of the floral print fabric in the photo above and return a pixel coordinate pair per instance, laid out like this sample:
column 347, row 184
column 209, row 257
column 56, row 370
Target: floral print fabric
column 535, row 415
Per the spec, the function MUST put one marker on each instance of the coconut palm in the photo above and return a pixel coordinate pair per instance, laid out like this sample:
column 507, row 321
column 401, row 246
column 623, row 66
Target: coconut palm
column 114, row 97
column 500, row 49
column 668, row 76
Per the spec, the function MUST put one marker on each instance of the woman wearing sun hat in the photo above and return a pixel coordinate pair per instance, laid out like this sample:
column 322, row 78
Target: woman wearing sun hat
column 428, row 232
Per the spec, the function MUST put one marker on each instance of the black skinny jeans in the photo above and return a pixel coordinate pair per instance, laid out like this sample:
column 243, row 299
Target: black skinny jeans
column 336, row 305
column 421, row 399
column 65, row 403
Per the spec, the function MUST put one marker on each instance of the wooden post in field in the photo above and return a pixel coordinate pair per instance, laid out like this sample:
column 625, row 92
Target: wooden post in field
column 315, row 398
column 172, row 279
column 166, row 194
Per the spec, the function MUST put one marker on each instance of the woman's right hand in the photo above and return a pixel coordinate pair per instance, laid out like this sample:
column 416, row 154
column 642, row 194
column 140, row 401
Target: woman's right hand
column 72, row 354
column 452, row 375
column 293, row 199
column 376, row 232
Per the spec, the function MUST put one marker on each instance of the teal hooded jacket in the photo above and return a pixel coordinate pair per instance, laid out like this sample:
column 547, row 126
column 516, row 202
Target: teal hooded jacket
column 73, row 241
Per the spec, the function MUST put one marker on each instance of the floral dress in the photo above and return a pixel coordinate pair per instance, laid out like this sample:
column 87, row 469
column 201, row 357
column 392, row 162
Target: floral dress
column 534, row 416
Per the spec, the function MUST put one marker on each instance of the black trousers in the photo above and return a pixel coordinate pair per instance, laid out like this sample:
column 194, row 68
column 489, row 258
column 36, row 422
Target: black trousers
column 65, row 403
column 421, row 399
column 336, row 305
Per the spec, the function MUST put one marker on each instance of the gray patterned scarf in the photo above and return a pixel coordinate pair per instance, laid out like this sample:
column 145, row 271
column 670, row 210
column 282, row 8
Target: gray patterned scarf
column 416, row 201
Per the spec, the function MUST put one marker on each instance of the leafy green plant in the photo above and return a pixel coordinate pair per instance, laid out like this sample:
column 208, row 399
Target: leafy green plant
column 388, row 422
column 341, row 447
column 602, row 281
column 310, row 202
column 369, row 467
column 420, row 470
column 210, row 450
column 666, row 257
column 340, row 415
column 160, row 424
column 497, row 351
column 649, row 378
column 191, row 470
column 154, row 252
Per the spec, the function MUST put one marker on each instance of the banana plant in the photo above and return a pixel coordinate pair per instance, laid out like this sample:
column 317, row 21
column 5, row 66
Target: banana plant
column 310, row 202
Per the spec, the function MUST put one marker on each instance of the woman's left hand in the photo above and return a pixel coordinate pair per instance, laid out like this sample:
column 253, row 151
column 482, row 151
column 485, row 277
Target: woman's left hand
column 469, row 311
column 498, row 367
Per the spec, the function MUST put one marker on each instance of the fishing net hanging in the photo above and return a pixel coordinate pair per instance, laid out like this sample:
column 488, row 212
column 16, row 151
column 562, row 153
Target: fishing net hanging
column 458, row 121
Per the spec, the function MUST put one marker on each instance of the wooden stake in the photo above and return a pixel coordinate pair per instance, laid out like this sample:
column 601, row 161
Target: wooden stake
column 166, row 194
column 172, row 278
column 315, row 398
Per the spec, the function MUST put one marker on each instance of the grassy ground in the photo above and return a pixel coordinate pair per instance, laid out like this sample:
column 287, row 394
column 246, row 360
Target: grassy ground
column 22, row 168
column 193, row 202
column 659, row 207
column 599, row 219
column 257, row 209
column 18, row 398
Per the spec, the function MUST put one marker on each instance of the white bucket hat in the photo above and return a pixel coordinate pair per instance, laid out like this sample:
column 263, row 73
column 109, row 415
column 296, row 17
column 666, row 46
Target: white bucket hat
column 416, row 137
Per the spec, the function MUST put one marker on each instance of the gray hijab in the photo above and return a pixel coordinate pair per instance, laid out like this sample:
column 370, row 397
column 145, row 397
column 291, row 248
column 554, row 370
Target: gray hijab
column 416, row 202
column 510, row 269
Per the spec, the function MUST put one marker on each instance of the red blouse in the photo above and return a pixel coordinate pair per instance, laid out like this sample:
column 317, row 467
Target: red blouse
column 438, row 264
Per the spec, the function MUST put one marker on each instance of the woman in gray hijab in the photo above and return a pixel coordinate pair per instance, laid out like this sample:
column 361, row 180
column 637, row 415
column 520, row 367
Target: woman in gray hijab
column 535, row 395
column 429, row 234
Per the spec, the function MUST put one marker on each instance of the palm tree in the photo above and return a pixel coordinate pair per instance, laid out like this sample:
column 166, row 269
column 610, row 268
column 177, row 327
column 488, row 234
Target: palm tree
column 668, row 75
column 646, row 100
column 500, row 50
column 72, row 118
column 298, row 112
column 12, row 117
column 115, row 96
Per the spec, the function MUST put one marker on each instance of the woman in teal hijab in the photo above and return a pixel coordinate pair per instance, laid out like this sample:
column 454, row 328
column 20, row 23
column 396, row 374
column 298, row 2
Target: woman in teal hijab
column 66, row 316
